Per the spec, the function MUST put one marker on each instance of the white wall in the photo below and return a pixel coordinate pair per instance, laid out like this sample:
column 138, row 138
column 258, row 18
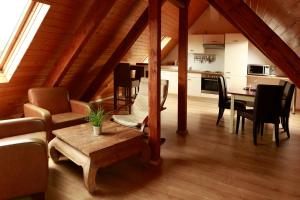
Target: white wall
column 257, row 57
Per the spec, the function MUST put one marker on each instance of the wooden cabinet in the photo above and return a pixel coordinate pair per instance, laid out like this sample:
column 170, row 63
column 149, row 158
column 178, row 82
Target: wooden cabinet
column 235, row 59
column 195, row 44
column 213, row 39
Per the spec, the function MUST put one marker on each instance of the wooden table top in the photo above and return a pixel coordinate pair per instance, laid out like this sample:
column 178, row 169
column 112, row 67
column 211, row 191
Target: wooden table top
column 241, row 91
column 81, row 136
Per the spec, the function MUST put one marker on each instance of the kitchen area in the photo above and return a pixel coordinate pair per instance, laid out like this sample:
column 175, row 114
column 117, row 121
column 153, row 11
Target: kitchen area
column 213, row 55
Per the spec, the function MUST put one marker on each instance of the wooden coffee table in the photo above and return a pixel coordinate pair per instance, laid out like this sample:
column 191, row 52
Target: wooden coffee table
column 93, row 152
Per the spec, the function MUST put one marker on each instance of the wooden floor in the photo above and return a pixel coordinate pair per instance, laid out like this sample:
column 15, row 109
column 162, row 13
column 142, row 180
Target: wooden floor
column 209, row 163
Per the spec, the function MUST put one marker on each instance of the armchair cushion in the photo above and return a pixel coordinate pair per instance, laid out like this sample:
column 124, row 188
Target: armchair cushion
column 67, row 119
column 55, row 100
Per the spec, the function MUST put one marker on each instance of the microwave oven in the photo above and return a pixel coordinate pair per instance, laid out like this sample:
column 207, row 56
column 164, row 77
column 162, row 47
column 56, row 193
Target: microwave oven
column 261, row 70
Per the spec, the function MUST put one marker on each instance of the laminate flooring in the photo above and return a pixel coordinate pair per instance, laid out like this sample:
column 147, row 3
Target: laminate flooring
column 209, row 163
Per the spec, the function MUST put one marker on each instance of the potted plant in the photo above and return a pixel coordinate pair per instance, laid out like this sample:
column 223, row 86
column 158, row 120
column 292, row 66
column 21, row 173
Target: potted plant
column 96, row 117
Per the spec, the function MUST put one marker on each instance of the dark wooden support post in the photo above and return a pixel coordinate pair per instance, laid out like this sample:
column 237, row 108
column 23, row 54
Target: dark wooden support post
column 154, row 78
column 182, row 70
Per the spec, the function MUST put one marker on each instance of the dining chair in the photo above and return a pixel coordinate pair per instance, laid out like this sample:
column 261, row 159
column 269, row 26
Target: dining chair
column 267, row 108
column 224, row 100
column 124, row 79
column 288, row 92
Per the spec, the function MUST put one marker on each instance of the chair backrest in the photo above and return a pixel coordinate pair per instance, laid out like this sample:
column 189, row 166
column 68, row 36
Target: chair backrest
column 122, row 75
column 287, row 98
column 282, row 83
column 54, row 99
column 267, row 103
column 140, row 106
column 222, row 91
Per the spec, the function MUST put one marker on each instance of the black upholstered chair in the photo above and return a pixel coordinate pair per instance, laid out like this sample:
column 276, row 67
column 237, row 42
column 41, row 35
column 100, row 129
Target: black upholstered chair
column 286, row 106
column 224, row 100
column 267, row 108
column 123, row 78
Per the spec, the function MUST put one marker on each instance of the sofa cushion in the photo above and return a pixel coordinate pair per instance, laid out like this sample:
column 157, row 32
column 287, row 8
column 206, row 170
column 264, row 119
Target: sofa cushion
column 67, row 119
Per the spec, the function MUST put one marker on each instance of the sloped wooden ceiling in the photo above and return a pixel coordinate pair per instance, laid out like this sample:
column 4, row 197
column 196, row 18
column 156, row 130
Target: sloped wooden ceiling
column 55, row 36
column 283, row 17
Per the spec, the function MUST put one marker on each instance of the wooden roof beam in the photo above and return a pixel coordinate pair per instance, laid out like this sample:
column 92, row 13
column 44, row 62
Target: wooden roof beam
column 179, row 3
column 118, row 54
column 96, row 13
column 261, row 35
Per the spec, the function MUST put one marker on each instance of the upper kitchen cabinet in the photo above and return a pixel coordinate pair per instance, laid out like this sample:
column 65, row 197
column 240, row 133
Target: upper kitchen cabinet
column 235, row 38
column 195, row 44
column 235, row 59
column 213, row 39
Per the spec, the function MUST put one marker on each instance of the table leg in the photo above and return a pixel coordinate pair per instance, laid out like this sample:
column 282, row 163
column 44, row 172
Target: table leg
column 232, row 113
column 89, row 176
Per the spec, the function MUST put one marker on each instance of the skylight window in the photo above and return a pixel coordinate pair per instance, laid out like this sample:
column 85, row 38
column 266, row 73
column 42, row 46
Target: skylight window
column 19, row 21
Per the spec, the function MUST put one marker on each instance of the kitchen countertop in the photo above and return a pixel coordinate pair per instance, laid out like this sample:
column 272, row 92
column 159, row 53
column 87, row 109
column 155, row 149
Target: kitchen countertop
column 270, row 76
column 174, row 68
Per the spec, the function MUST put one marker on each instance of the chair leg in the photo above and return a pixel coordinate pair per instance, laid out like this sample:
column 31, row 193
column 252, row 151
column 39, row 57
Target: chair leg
column 38, row 196
column 287, row 126
column 237, row 124
column 277, row 134
column 255, row 128
column 283, row 123
column 262, row 128
column 220, row 115
column 115, row 97
column 243, row 123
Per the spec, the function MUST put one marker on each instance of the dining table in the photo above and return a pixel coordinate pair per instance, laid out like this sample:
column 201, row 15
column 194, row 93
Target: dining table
column 239, row 93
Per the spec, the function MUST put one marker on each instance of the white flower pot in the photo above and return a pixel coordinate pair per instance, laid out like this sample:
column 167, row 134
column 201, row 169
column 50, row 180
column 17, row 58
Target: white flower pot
column 97, row 130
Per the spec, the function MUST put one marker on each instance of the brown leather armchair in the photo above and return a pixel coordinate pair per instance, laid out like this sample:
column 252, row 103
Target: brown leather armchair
column 23, row 158
column 53, row 105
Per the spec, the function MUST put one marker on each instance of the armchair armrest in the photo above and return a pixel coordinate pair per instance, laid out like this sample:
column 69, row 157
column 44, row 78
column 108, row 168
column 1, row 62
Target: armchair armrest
column 31, row 110
column 80, row 107
column 13, row 127
column 24, row 167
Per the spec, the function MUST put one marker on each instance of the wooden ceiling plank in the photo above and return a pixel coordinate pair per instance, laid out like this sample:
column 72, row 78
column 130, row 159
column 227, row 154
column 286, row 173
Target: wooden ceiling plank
column 96, row 13
column 178, row 3
column 240, row 15
column 118, row 54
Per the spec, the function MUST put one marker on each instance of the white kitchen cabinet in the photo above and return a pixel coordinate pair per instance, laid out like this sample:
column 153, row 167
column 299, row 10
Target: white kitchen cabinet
column 173, row 81
column 235, row 59
column 194, row 84
column 195, row 44
column 213, row 39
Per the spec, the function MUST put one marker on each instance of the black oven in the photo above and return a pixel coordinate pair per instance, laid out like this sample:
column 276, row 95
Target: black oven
column 209, row 85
